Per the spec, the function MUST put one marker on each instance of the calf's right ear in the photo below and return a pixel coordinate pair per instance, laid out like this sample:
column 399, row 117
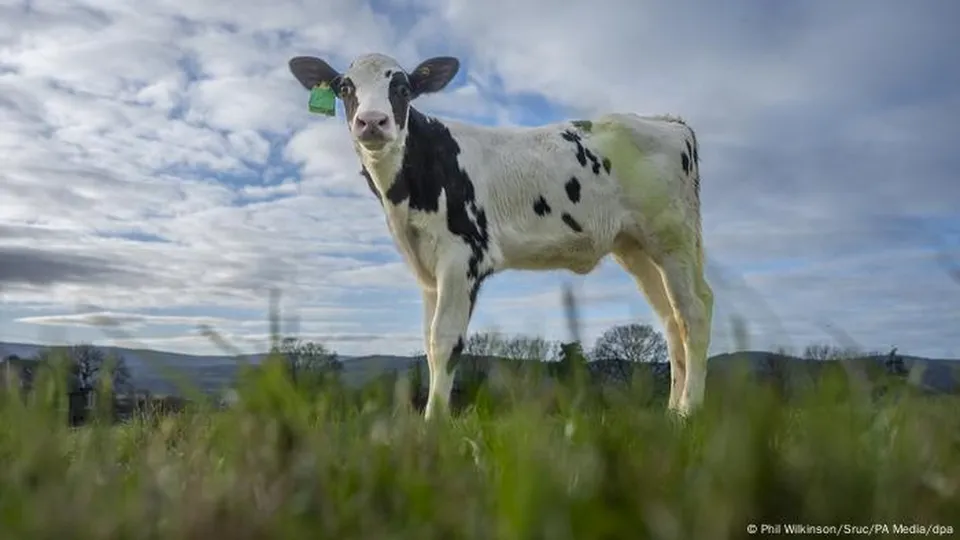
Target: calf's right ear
column 434, row 74
column 311, row 71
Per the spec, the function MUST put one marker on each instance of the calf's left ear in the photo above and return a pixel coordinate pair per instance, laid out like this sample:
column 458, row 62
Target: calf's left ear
column 311, row 71
column 434, row 74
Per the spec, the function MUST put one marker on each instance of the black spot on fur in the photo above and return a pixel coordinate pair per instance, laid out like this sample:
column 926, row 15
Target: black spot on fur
column 399, row 95
column 685, row 162
column 606, row 165
column 541, row 207
column 475, row 288
column 370, row 184
column 583, row 125
column 696, row 161
column 593, row 159
column 572, row 223
column 575, row 139
column 583, row 153
column 573, row 189
column 455, row 355
column 430, row 166
column 387, row 73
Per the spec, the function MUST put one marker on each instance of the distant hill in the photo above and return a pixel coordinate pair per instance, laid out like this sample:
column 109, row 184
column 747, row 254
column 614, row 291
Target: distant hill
column 934, row 375
column 212, row 373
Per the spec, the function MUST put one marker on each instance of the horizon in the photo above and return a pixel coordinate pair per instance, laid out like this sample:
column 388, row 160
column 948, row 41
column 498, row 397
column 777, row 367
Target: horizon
column 792, row 354
column 164, row 170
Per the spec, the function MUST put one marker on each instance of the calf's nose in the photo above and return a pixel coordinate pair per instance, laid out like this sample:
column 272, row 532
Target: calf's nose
column 371, row 122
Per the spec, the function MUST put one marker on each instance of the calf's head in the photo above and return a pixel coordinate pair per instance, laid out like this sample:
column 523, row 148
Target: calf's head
column 376, row 92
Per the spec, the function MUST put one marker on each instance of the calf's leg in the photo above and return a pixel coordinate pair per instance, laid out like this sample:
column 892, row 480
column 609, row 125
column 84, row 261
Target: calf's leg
column 649, row 278
column 448, row 331
column 692, row 300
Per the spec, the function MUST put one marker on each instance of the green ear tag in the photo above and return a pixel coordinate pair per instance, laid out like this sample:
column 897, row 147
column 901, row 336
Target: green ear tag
column 323, row 100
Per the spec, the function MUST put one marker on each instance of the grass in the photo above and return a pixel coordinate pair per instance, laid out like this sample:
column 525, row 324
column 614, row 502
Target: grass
column 554, row 463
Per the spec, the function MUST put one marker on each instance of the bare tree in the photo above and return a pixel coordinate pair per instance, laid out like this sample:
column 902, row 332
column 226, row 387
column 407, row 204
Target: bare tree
column 483, row 344
column 308, row 359
column 826, row 352
column 522, row 347
column 632, row 343
column 517, row 347
column 87, row 365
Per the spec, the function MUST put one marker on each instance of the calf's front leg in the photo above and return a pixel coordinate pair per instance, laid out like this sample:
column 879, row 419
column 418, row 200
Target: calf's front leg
column 447, row 333
column 429, row 310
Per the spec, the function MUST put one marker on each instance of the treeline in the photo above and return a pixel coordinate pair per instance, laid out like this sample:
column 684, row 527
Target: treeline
column 634, row 357
column 492, row 365
column 94, row 382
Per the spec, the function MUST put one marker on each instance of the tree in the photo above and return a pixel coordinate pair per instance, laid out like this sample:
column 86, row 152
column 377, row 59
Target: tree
column 307, row 359
column 520, row 347
column 826, row 352
column 516, row 347
column 482, row 344
column 632, row 343
column 572, row 362
column 571, row 354
column 820, row 352
column 16, row 371
column 87, row 365
column 895, row 364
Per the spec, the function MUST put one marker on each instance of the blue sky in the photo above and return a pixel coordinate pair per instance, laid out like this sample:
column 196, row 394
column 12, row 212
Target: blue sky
column 160, row 165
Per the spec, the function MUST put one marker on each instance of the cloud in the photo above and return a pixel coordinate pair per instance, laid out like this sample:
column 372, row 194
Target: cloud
column 25, row 266
column 161, row 167
column 107, row 318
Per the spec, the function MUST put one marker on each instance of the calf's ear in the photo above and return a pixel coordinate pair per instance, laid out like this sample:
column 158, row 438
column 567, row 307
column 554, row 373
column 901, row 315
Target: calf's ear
column 434, row 74
column 311, row 71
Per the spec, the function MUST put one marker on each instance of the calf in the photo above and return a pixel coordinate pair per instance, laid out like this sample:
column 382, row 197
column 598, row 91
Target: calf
column 464, row 202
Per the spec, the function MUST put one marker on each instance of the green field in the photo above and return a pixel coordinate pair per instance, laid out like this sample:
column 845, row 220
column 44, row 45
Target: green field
column 557, row 463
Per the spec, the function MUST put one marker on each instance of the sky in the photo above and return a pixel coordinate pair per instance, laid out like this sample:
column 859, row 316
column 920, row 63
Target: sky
column 160, row 167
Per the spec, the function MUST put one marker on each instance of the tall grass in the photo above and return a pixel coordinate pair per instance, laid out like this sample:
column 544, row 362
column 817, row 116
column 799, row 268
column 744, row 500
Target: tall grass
column 526, row 461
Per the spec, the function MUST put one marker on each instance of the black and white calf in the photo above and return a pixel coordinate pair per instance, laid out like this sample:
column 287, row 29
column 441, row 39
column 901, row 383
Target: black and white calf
column 464, row 202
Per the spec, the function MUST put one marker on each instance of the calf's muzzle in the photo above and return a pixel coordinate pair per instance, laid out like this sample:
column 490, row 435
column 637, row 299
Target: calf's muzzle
column 371, row 126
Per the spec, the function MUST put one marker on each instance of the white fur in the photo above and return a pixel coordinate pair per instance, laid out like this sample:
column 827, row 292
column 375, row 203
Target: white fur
column 645, row 213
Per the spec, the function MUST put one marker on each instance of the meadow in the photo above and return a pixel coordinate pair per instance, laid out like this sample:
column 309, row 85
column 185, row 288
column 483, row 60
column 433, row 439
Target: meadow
column 523, row 461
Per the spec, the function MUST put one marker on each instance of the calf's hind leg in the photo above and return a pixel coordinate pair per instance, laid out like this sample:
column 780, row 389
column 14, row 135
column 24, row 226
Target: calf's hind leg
column 692, row 300
column 630, row 255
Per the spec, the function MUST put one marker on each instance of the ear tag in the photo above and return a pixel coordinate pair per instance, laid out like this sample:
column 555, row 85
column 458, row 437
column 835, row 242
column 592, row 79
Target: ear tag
column 323, row 100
